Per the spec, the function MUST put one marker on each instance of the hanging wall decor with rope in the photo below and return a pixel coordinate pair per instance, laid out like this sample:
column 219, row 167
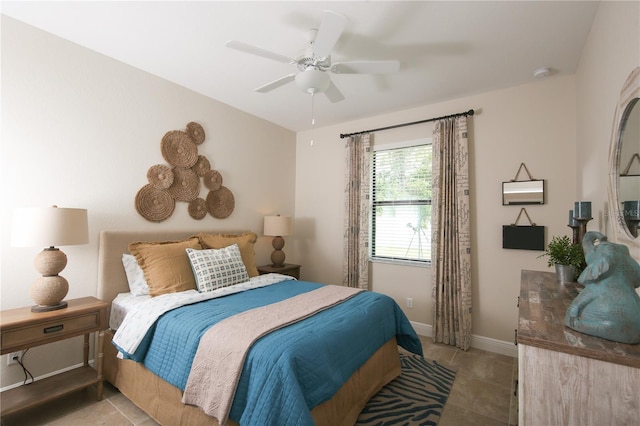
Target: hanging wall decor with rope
column 181, row 181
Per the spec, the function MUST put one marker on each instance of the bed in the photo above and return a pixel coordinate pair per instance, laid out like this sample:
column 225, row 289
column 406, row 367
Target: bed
column 154, row 393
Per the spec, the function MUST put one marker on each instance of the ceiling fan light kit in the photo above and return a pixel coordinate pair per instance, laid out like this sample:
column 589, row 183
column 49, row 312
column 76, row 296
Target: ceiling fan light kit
column 313, row 81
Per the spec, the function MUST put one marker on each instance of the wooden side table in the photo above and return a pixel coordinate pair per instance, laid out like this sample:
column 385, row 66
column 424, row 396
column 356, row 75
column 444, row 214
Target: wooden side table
column 287, row 269
column 22, row 329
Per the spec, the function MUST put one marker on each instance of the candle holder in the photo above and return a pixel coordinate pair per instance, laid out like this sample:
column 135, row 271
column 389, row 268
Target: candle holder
column 582, row 228
column 631, row 215
column 576, row 233
column 575, row 226
column 578, row 218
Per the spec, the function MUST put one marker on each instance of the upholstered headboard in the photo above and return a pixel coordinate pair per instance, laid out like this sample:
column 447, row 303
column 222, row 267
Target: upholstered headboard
column 111, row 276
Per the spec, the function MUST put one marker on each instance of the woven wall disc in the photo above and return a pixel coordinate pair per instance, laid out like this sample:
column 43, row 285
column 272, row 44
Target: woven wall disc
column 195, row 132
column 202, row 166
column 160, row 176
column 212, row 180
column 185, row 186
column 154, row 204
column 220, row 203
column 178, row 149
column 198, row 208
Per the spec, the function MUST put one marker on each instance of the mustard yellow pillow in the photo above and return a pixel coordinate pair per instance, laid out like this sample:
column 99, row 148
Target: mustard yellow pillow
column 166, row 265
column 245, row 242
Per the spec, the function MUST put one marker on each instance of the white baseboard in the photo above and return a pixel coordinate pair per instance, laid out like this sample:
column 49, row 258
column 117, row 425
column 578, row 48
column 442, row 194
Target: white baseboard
column 44, row 376
column 478, row 342
column 422, row 329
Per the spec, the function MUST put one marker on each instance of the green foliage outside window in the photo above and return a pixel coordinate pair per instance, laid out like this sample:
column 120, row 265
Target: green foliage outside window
column 401, row 203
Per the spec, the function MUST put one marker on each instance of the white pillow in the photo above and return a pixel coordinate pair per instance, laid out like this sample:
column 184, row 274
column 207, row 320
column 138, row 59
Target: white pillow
column 137, row 283
column 217, row 268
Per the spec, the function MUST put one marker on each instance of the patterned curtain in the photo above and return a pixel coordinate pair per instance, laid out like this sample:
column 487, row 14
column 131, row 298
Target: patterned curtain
column 451, row 257
column 356, row 220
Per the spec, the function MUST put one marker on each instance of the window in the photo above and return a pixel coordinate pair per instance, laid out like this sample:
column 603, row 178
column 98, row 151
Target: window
column 401, row 203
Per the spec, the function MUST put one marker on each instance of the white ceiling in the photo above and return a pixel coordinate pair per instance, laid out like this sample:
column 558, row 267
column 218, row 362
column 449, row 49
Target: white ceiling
column 446, row 49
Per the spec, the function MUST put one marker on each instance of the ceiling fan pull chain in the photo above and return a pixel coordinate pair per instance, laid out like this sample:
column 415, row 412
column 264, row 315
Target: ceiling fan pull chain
column 313, row 117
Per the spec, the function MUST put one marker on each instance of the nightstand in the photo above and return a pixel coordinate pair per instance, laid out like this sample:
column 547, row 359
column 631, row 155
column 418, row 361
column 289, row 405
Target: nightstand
column 21, row 329
column 287, row 269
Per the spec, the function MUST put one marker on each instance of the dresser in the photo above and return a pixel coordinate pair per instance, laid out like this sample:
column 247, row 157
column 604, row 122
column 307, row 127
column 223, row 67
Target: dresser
column 566, row 377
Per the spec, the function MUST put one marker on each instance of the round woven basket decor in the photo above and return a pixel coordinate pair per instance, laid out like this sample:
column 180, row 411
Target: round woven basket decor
column 198, row 208
column 185, row 186
column 195, row 132
column 220, row 203
column 178, row 149
column 202, row 166
column 154, row 204
column 160, row 176
column 212, row 180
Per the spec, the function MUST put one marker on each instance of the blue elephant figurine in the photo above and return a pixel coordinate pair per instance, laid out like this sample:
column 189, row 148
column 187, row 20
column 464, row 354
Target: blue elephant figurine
column 608, row 306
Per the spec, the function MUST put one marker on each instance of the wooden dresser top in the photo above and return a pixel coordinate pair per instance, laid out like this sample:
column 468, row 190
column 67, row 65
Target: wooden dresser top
column 543, row 304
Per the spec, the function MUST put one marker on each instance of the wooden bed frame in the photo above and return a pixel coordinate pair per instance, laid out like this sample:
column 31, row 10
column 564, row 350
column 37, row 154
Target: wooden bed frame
column 163, row 402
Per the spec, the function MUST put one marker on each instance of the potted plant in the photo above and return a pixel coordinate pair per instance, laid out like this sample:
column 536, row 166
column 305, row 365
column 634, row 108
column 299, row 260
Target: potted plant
column 567, row 257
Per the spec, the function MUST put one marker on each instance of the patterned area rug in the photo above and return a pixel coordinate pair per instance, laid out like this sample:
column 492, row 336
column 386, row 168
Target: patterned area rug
column 416, row 397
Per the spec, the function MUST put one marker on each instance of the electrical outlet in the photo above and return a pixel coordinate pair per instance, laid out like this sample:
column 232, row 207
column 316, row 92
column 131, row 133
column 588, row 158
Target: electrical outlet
column 409, row 302
column 13, row 357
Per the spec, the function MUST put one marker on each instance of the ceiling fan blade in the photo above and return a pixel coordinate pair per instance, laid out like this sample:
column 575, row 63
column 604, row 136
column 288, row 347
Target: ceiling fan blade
column 276, row 83
column 247, row 48
column 331, row 28
column 365, row 67
column 333, row 93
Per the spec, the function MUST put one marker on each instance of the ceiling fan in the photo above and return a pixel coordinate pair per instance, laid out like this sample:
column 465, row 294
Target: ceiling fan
column 314, row 63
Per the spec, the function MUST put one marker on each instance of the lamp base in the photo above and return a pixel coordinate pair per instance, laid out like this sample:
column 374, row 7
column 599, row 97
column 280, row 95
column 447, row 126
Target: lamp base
column 277, row 258
column 277, row 255
column 49, row 292
column 46, row 308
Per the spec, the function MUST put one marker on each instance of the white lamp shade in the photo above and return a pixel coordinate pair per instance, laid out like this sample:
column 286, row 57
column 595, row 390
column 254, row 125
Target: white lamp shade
column 278, row 226
column 49, row 226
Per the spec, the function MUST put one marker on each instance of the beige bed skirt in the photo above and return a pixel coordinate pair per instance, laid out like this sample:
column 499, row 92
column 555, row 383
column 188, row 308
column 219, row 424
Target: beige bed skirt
column 163, row 402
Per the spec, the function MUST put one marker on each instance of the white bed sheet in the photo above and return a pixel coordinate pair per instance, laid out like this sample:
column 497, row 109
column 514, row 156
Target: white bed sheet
column 140, row 316
column 121, row 305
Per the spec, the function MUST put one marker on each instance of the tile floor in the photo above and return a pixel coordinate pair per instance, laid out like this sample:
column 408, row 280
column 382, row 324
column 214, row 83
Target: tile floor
column 482, row 394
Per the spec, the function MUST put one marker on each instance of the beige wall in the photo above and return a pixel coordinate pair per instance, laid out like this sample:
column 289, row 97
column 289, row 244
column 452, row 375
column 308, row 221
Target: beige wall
column 611, row 53
column 533, row 123
column 81, row 130
column 560, row 127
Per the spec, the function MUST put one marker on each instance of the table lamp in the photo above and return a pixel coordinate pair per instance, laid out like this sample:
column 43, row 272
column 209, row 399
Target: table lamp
column 50, row 227
column 278, row 227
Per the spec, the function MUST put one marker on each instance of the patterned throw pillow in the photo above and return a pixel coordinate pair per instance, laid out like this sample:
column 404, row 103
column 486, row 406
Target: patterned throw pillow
column 217, row 268
column 137, row 284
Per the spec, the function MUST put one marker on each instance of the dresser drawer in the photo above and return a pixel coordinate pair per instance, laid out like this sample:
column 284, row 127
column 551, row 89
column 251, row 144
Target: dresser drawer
column 42, row 332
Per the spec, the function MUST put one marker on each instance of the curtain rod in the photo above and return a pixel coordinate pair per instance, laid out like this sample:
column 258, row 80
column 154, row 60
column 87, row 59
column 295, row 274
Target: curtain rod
column 346, row 135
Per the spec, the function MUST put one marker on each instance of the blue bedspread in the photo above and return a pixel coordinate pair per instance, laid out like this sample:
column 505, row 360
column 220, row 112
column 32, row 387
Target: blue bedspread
column 289, row 371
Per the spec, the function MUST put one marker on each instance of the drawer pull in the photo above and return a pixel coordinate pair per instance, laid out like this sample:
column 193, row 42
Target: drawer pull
column 54, row 329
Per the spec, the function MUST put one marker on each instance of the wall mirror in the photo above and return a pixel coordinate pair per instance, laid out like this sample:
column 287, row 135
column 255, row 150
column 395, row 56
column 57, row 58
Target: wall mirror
column 523, row 192
column 624, row 164
column 629, row 167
